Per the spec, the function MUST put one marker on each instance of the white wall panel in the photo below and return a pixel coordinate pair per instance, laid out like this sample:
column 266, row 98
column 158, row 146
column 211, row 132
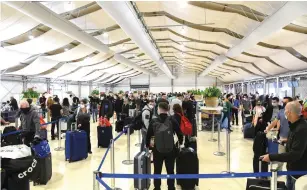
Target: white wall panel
column 85, row 91
column 73, row 89
column 160, row 89
column 8, row 89
column 142, row 79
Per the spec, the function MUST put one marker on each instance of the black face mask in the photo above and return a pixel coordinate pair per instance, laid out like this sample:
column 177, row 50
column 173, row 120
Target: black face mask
column 25, row 110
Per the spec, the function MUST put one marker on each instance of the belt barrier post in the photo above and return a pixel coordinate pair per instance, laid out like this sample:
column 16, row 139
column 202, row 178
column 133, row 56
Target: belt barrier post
column 113, row 165
column 16, row 122
column 219, row 152
column 59, row 148
column 273, row 178
column 96, row 185
column 227, row 152
column 140, row 139
column 212, row 133
column 128, row 161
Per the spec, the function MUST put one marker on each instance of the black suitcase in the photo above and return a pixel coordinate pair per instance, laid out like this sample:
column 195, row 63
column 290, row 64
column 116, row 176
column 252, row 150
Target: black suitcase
column 45, row 171
column 142, row 165
column 187, row 155
column 258, row 184
column 191, row 142
column 104, row 135
column 119, row 126
column 18, row 185
column 13, row 139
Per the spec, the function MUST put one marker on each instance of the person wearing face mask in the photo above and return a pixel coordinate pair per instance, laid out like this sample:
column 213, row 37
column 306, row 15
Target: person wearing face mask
column 282, row 127
column 30, row 124
column 83, row 122
column 56, row 112
column 296, row 144
column 147, row 114
column 106, row 107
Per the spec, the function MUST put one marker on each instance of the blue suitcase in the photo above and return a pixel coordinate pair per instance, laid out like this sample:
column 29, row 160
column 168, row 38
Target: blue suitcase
column 272, row 147
column 104, row 135
column 249, row 131
column 43, row 134
column 76, row 146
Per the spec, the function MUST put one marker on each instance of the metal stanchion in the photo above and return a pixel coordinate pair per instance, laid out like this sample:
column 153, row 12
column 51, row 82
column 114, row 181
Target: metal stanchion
column 113, row 165
column 96, row 185
column 228, row 152
column 212, row 133
column 140, row 139
column 128, row 161
column 274, row 179
column 59, row 148
column 219, row 152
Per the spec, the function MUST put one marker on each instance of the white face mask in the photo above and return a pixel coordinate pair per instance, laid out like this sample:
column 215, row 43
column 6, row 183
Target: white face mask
column 286, row 116
column 102, row 98
column 82, row 106
column 274, row 104
column 150, row 106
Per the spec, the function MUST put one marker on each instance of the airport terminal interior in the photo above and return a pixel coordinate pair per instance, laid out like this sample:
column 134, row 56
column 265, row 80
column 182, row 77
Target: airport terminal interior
column 148, row 53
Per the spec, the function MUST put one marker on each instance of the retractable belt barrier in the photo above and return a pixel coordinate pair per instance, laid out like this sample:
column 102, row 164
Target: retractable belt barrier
column 99, row 175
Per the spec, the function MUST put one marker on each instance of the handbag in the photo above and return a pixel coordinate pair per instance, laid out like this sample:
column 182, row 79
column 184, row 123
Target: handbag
column 41, row 148
column 104, row 122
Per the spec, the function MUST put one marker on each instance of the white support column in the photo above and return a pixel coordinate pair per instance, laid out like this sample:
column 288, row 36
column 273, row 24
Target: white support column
column 148, row 83
column 130, row 84
column 90, row 89
column 79, row 89
column 242, row 87
column 65, row 86
column 264, row 87
column 24, row 83
column 48, row 85
column 293, row 88
column 196, row 80
column 277, row 86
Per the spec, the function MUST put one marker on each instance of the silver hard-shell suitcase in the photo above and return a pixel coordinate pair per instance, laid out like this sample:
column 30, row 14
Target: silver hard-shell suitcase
column 142, row 165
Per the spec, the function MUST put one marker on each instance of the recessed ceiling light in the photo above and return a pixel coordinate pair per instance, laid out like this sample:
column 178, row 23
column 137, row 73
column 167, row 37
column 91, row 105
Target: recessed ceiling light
column 183, row 4
column 66, row 49
column 86, row 59
column 182, row 45
column 183, row 31
column 105, row 34
column 31, row 37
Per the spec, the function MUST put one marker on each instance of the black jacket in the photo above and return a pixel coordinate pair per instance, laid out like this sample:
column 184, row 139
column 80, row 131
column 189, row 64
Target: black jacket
column 161, row 118
column 296, row 149
column 106, row 109
column 125, row 109
column 188, row 110
column 14, row 104
column 118, row 105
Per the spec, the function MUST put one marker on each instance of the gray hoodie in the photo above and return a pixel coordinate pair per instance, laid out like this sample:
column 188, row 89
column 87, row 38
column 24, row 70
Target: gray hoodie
column 30, row 121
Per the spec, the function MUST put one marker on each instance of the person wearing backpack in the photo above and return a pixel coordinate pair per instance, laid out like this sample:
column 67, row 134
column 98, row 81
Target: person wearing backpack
column 162, row 130
column 147, row 113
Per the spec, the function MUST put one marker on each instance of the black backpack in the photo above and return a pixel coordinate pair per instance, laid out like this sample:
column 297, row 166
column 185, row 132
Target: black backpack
column 164, row 135
column 137, row 123
column 260, row 144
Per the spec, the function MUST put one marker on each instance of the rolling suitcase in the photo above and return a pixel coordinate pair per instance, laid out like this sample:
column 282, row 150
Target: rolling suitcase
column 20, row 184
column 248, row 131
column 104, row 135
column 13, row 139
column 142, row 165
column 43, row 134
column 258, row 184
column 187, row 155
column 45, row 171
column 75, row 145
column 191, row 142
column 119, row 126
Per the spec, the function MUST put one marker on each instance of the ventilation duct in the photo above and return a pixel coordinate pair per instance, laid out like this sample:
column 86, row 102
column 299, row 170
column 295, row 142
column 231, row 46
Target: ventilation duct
column 123, row 13
column 49, row 18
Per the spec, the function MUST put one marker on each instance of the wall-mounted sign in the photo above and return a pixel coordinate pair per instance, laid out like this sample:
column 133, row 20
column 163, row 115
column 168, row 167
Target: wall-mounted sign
column 139, row 86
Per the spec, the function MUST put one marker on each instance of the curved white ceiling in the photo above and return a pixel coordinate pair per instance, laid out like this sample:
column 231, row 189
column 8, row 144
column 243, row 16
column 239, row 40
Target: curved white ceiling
column 11, row 58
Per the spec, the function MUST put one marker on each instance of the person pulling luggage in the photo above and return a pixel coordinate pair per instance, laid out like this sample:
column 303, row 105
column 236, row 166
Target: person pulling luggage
column 162, row 130
column 83, row 118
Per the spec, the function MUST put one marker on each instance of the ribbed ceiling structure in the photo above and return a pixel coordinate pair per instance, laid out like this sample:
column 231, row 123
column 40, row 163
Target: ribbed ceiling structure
column 188, row 36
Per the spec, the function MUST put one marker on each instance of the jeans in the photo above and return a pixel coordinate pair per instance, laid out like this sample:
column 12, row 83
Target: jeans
column 290, row 183
column 235, row 117
column 53, row 127
column 169, row 159
column 94, row 114
column 144, row 134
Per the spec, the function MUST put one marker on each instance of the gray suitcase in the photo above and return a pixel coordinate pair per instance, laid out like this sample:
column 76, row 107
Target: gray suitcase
column 142, row 165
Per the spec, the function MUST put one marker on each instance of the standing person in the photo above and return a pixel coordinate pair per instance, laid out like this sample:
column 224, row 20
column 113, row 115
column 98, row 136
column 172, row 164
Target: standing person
column 147, row 114
column 296, row 148
column 246, row 107
column 163, row 98
column 258, row 121
column 125, row 109
column 14, row 104
column 75, row 104
column 42, row 102
column 56, row 113
column 235, row 111
column 83, row 122
column 94, row 107
column 282, row 126
column 118, row 106
column 164, row 146
column 49, row 103
column 66, row 107
column 30, row 124
column 227, row 110
column 106, row 108
column 188, row 108
column 177, row 100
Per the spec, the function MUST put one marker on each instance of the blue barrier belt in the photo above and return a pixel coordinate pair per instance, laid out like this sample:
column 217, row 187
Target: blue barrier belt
column 104, row 157
column 198, row 176
column 103, row 183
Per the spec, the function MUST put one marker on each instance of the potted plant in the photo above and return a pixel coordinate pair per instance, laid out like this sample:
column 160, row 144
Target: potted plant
column 121, row 92
column 198, row 95
column 95, row 92
column 212, row 95
column 30, row 93
column 135, row 93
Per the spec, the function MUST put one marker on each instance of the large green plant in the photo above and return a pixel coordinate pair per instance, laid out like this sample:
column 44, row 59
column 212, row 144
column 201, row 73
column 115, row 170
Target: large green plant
column 121, row 92
column 212, row 92
column 30, row 93
column 196, row 92
column 95, row 92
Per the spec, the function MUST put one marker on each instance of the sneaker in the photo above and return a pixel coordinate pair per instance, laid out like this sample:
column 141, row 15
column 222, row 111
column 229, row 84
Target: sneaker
column 90, row 152
column 52, row 138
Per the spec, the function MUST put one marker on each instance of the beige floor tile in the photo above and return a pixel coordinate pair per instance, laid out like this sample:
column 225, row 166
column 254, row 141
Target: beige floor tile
column 78, row 175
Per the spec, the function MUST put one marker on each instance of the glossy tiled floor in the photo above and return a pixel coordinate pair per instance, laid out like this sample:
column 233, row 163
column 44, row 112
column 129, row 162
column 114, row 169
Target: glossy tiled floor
column 78, row 175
